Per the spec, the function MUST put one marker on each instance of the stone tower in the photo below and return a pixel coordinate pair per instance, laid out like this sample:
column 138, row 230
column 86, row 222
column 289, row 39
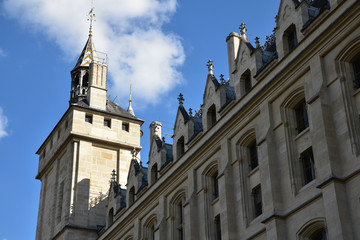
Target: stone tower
column 92, row 138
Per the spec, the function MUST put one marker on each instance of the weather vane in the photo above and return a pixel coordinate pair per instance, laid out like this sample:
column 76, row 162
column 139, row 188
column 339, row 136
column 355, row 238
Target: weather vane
column 91, row 18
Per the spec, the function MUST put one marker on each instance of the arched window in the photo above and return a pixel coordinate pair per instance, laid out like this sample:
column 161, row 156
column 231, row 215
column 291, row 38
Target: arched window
column 290, row 39
column 211, row 116
column 296, row 121
column 149, row 228
column 86, row 79
column 315, row 229
column 177, row 211
column 180, row 147
column 249, row 176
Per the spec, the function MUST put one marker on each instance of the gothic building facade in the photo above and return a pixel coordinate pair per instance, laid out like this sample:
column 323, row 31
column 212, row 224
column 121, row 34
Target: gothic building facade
column 273, row 153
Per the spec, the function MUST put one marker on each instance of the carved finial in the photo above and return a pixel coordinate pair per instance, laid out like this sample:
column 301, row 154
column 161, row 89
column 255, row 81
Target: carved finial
column 113, row 175
column 190, row 112
column 222, row 80
column 91, row 18
column 181, row 99
column 210, row 66
column 163, row 139
column 243, row 30
column 257, row 42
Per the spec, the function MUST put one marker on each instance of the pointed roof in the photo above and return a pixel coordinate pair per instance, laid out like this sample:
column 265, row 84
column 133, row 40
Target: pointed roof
column 87, row 55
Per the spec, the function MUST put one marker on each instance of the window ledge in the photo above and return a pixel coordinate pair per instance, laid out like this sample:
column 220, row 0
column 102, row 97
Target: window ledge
column 356, row 92
column 215, row 201
column 302, row 133
column 252, row 172
column 307, row 186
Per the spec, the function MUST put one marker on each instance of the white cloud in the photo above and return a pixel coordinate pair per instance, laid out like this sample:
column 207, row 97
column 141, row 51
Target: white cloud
column 129, row 31
column 2, row 53
column 3, row 124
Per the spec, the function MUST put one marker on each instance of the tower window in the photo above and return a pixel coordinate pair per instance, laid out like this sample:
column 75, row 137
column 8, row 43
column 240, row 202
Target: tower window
column 257, row 201
column 307, row 162
column 125, row 127
column 88, row 118
column 59, row 134
column 107, row 122
column 254, row 162
column 302, row 121
column 356, row 67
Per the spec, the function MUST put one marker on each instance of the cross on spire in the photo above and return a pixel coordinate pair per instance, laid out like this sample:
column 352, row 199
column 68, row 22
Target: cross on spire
column 190, row 112
column 113, row 175
column 91, row 18
column 222, row 80
column 210, row 66
column 181, row 99
column 243, row 29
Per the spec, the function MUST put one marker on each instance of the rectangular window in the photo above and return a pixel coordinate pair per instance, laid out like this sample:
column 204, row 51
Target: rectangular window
column 51, row 144
column 218, row 227
column 107, row 123
column 125, row 127
column 254, row 162
column 59, row 134
column 302, row 121
column 356, row 66
column 66, row 124
column 247, row 83
column 215, row 185
column 88, row 118
column 257, row 201
column 292, row 41
column 180, row 221
column 308, row 165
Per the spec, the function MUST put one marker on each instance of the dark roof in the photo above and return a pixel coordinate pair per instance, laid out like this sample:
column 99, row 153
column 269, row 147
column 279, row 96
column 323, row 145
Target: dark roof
column 316, row 7
column 111, row 108
column 252, row 49
column 184, row 113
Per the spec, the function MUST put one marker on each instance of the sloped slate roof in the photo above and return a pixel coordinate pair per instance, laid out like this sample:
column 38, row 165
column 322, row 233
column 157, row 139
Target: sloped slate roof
column 111, row 107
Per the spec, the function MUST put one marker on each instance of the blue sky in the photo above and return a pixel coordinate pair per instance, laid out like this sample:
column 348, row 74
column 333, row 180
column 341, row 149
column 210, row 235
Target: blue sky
column 161, row 46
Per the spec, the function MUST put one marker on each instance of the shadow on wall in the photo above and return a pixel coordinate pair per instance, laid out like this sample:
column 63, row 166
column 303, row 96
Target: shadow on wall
column 88, row 209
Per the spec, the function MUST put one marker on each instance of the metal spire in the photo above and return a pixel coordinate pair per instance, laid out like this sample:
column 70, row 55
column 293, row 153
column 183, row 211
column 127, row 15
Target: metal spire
column 130, row 109
column 91, row 18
